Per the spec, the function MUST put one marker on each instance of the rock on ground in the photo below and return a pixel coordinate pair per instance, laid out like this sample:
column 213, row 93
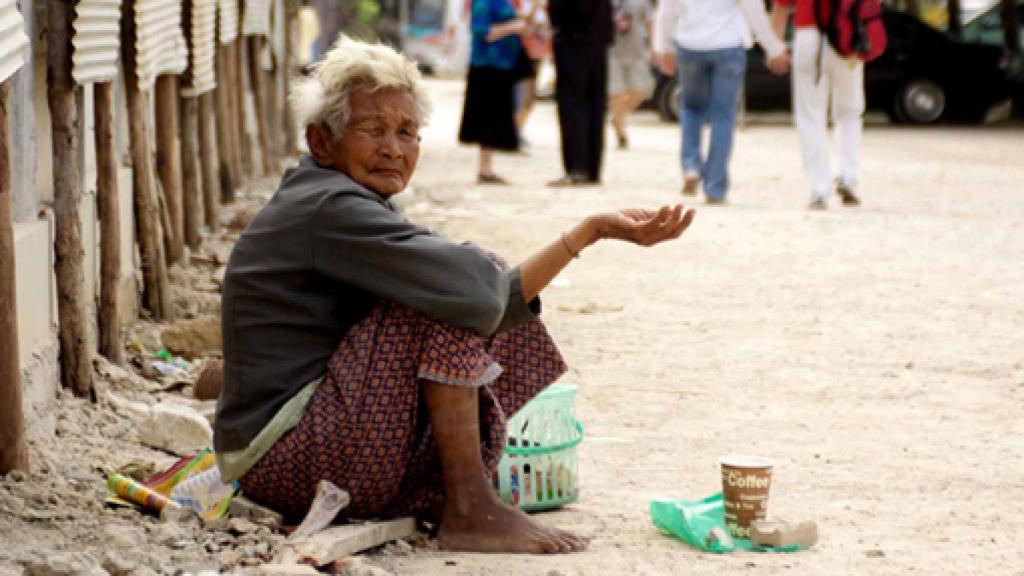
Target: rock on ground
column 193, row 338
column 175, row 428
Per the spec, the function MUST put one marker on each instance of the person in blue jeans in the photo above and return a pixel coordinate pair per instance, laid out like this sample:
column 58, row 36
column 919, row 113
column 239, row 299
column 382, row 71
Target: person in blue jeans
column 707, row 41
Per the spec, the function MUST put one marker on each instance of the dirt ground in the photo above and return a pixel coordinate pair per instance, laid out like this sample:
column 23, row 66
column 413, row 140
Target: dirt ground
column 876, row 353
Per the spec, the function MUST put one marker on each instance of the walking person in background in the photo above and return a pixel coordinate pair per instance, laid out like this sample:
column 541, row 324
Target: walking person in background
column 630, row 81
column 708, row 40
column 818, row 72
column 583, row 31
column 489, row 109
column 536, row 40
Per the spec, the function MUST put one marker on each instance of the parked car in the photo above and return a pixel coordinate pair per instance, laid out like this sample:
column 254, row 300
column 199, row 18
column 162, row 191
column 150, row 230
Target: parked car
column 923, row 77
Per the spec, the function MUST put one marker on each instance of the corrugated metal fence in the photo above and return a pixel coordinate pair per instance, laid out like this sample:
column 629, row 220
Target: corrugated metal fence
column 13, row 41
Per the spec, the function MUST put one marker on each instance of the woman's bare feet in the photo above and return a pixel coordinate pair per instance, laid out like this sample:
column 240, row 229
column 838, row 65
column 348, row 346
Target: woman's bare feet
column 492, row 526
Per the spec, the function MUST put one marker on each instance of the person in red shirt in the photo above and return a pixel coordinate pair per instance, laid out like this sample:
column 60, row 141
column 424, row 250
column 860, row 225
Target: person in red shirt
column 819, row 73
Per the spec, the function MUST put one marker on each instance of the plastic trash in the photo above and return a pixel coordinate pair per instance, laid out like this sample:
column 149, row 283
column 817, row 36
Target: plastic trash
column 136, row 493
column 205, row 493
column 167, row 358
column 166, row 367
column 701, row 524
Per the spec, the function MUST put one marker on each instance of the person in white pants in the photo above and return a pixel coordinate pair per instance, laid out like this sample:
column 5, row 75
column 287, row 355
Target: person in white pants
column 818, row 73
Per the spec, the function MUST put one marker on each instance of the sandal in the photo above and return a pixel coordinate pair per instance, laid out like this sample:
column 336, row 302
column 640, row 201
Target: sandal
column 490, row 179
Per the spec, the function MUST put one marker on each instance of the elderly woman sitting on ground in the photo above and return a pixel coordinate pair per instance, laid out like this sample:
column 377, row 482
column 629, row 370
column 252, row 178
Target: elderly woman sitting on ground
column 363, row 349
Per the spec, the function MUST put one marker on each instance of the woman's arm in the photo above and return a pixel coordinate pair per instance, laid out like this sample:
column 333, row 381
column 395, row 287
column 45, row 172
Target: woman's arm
column 642, row 227
column 665, row 19
column 499, row 31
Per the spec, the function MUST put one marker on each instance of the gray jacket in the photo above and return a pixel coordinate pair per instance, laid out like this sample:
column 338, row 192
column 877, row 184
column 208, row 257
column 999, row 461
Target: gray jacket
column 313, row 263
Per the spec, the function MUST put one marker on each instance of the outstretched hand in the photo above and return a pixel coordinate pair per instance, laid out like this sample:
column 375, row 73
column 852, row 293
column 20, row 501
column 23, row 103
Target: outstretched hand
column 645, row 227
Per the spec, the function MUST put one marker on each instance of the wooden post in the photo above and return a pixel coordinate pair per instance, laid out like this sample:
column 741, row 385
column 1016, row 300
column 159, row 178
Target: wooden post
column 240, row 78
column 190, row 171
column 259, row 97
column 13, row 448
column 208, row 161
column 75, row 355
column 157, row 293
column 233, row 88
column 225, row 140
column 111, row 341
column 275, row 119
column 168, row 161
column 291, row 136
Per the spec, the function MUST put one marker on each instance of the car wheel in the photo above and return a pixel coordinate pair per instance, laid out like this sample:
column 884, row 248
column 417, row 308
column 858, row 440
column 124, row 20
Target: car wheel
column 921, row 101
column 668, row 100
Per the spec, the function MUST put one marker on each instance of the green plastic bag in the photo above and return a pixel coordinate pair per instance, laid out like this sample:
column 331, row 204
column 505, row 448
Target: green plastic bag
column 701, row 524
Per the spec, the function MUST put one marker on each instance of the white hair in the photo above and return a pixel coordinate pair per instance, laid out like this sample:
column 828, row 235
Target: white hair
column 323, row 96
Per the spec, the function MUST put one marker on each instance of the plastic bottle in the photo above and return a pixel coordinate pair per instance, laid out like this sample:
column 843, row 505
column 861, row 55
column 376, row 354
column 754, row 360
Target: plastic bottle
column 202, row 492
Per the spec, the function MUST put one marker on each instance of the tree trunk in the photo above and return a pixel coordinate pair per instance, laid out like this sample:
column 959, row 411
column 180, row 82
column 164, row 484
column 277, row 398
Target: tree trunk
column 190, row 172
column 239, row 77
column 75, row 355
column 259, row 97
column 168, row 161
column 111, row 342
column 13, row 448
column 225, row 140
column 157, row 292
column 208, row 160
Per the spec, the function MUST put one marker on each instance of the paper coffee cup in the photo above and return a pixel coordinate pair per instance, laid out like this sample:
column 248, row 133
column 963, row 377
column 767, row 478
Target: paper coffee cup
column 745, row 483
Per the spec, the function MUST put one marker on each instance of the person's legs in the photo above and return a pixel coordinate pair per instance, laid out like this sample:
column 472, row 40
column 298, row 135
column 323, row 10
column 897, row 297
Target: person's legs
column 810, row 110
column 475, row 519
column 848, row 111
column 596, row 109
column 694, row 74
column 570, row 94
column 727, row 70
column 618, row 103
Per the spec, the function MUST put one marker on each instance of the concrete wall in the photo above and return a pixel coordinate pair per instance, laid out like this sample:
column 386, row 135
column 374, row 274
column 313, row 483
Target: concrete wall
column 32, row 188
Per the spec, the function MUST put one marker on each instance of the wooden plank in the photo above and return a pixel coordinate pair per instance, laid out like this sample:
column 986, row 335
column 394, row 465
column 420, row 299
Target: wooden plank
column 13, row 447
column 168, row 162
column 157, row 290
column 339, row 541
column 69, row 254
column 191, row 204
column 109, row 316
column 208, row 161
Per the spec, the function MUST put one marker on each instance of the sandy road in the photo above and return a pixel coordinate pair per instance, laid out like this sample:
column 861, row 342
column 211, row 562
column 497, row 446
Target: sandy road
column 876, row 353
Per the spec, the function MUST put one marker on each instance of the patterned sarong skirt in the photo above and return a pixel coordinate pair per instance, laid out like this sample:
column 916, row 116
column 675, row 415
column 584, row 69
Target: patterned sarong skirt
column 366, row 428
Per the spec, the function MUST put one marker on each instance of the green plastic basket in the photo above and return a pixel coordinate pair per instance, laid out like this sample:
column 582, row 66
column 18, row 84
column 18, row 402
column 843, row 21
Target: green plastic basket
column 539, row 469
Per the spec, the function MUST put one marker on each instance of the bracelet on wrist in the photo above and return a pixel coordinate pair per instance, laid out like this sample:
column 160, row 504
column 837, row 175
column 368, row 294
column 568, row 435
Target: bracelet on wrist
column 568, row 248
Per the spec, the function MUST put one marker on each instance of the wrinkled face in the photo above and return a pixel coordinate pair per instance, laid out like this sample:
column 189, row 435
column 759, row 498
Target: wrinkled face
column 380, row 144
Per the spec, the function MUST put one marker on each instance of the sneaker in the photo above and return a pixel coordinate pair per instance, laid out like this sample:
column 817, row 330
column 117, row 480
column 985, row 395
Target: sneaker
column 847, row 195
column 690, row 182
column 818, row 204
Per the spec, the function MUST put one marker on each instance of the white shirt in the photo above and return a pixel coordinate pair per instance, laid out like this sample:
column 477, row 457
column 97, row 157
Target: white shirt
column 703, row 25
